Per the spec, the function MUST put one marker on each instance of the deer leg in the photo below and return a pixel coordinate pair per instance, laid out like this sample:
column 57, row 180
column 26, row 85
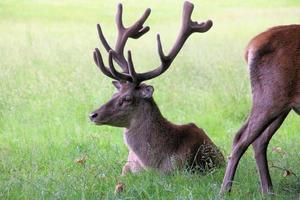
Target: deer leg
column 260, row 146
column 258, row 121
column 132, row 165
column 238, row 135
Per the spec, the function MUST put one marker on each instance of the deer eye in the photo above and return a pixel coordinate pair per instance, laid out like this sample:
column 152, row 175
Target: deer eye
column 126, row 99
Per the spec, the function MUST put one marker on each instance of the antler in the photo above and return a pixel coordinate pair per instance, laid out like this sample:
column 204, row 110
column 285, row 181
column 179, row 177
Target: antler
column 187, row 28
column 135, row 31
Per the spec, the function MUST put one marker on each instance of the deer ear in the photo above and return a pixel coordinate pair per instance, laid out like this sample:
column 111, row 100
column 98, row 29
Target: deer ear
column 117, row 84
column 147, row 92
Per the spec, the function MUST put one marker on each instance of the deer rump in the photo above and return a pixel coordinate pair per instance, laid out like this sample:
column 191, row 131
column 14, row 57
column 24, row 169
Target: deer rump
column 274, row 62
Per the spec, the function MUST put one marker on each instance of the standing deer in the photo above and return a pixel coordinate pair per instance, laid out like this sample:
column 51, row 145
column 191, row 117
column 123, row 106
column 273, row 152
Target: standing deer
column 152, row 140
column 274, row 61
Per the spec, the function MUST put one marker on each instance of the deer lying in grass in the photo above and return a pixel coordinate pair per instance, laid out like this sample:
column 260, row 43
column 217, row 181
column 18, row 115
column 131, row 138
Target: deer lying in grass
column 152, row 140
column 274, row 61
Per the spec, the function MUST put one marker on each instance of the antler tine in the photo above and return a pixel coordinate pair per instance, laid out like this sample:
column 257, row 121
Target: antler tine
column 114, row 72
column 131, row 69
column 135, row 31
column 140, row 33
column 102, row 38
column 160, row 49
column 192, row 26
column 119, row 20
column 99, row 62
column 187, row 28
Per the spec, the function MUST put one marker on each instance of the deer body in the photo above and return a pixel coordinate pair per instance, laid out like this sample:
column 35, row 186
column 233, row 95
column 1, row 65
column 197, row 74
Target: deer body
column 274, row 61
column 153, row 141
column 156, row 143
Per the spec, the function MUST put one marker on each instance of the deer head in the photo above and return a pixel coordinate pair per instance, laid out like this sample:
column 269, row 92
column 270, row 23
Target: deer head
column 125, row 105
column 132, row 94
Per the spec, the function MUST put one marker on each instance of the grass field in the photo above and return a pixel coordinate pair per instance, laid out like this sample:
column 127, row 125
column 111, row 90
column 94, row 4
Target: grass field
column 49, row 84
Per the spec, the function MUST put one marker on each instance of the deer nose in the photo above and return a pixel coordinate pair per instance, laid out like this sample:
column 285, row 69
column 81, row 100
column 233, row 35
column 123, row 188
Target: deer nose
column 93, row 116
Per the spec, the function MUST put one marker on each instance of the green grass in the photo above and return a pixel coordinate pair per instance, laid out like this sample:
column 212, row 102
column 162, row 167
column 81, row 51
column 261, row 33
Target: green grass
column 49, row 84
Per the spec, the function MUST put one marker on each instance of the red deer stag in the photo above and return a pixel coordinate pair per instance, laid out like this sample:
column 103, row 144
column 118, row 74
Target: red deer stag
column 274, row 61
column 152, row 140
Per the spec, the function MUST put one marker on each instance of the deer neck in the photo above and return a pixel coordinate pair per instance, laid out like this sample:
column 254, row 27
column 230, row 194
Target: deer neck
column 148, row 118
column 147, row 135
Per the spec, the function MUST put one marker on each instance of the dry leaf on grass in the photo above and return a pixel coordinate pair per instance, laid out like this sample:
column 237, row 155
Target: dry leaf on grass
column 81, row 160
column 119, row 187
column 288, row 173
column 278, row 150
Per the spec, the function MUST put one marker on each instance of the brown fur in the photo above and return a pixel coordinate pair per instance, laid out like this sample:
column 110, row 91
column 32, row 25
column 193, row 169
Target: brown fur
column 274, row 61
column 152, row 140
